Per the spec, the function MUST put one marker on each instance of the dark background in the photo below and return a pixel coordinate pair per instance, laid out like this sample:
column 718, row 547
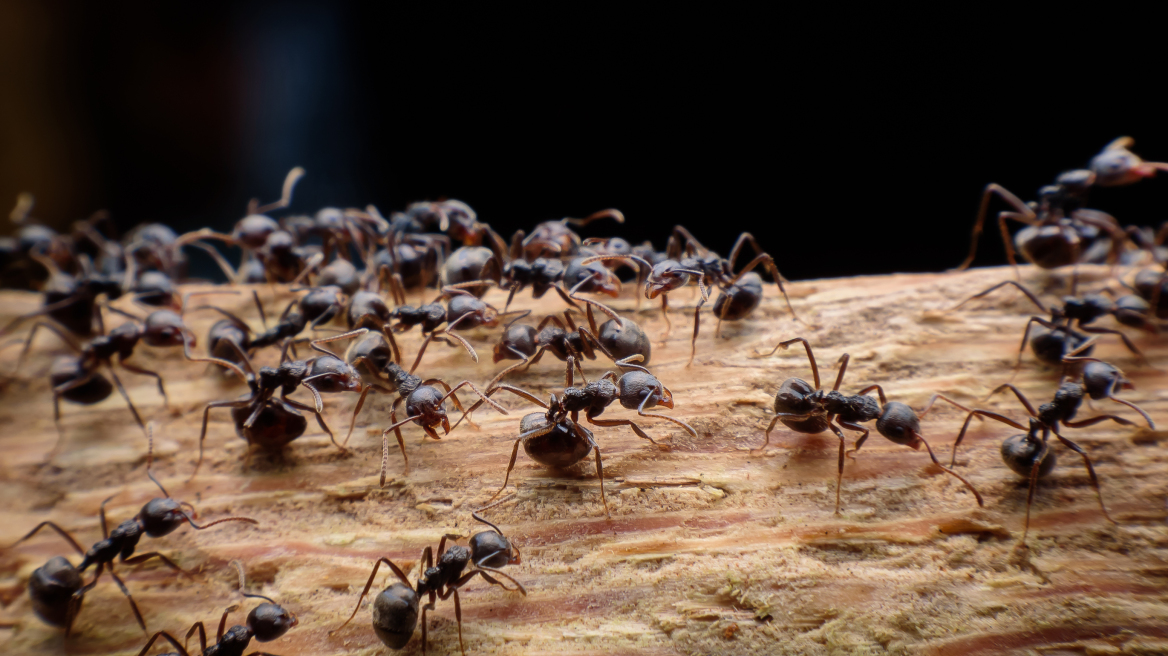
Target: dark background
column 846, row 143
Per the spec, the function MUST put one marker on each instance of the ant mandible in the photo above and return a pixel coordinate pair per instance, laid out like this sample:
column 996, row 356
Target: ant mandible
column 810, row 410
column 57, row 588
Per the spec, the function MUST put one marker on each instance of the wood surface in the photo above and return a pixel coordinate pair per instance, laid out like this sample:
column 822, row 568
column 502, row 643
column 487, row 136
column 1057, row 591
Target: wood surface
column 710, row 549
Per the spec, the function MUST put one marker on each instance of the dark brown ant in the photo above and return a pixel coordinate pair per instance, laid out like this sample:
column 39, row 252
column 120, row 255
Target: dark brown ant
column 316, row 308
column 262, row 418
column 528, row 344
column 72, row 301
column 265, row 623
column 1061, row 409
column 740, row 294
column 342, row 274
column 1064, row 331
column 395, row 609
column 424, row 402
column 57, row 589
column 1059, row 229
column 409, row 261
column 232, row 336
column 452, row 217
column 1101, row 380
column 472, row 264
column 554, row 239
column 810, row 410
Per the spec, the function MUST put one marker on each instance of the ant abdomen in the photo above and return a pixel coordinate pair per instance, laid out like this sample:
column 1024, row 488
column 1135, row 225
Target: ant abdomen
column 395, row 615
column 560, row 447
column 275, row 426
column 1020, row 451
column 624, row 338
column 739, row 299
column 50, row 588
column 66, row 370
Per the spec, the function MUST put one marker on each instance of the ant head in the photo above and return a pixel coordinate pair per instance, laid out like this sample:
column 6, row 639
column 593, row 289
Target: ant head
column 664, row 278
column 491, row 549
column 161, row 517
column 269, row 621
column 1101, row 379
column 155, row 288
column 278, row 243
column 641, row 386
column 426, row 403
column 329, row 218
column 166, row 328
column 1117, row 166
column 331, row 375
column 253, row 231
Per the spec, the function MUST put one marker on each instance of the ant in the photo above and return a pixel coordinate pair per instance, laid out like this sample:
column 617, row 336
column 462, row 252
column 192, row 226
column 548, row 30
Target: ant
column 79, row 380
column 395, row 609
column 554, row 239
column 810, row 410
column 72, row 301
column 266, row 622
column 453, row 217
column 1059, row 229
column 57, row 589
column 1027, row 454
column 1061, row 335
column 424, row 402
column 740, row 294
column 473, row 264
column 261, row 418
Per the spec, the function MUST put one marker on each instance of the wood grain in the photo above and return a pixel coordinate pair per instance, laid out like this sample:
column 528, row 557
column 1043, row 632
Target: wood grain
column 710, row 548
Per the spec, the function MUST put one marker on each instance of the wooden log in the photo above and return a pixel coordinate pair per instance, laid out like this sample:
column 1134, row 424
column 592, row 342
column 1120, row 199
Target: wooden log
column 710, row 548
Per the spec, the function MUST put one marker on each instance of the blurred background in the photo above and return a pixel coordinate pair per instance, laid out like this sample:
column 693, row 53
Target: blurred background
column 846, row 144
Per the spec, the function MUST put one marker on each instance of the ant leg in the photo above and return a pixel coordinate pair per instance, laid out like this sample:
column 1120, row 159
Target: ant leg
column 1090, row 472
column 169, row 638
column 621, row 422
column 599, row 465
column 810, row 355
column 290, row 181
column 203, row 433
column 368, row 584
column 1095, row 420
column 1135, row 407
column 229, row 271
column 934, row 398
column 1126, row 341
column 768, row 436
column 141, row 558
column 508, row 388
column 316, row 343
column 945, row 469
column 62, row 532
column 665, row 315
column 1005, row 195
column 1029, row 294
column 129, row 597
column 466, row 383
column 879, row 391
column 396, row 426
column 843, row 367
column 693, row 343
column 126, row 396
column 641, row 411
column 1034, row 480
column 769, row 264
column 514, row 455
column 319, row 419
column 28, row 342
column 965, row 427
column 839, row 477
column 147, row 372
column 1017, row 393
column 860, row 442
column 357, row 409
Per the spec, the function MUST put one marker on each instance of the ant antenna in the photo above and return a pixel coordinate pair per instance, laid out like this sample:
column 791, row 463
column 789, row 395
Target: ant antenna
column 475, row 513
column 243, row 581
column 150, row 457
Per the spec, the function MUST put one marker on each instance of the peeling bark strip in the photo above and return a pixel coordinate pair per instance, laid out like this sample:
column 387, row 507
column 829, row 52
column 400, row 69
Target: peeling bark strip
column 711, row 549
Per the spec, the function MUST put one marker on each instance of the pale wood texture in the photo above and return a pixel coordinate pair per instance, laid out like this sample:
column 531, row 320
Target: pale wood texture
column 710, row 548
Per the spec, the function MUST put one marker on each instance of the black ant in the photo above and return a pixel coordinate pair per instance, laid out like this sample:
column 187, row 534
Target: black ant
column 424, row 402
column 1068, row 323
column 1027, row 454
column 740, row 294
column 316, row 308
column 409, row 261
column 265, row 623
column 810, row 410
column 473, row 264
column 57, row 589
column 452, row 217
column 1059, row 229
column 554, row 239
column 272, row 422
column 72, row 301
column 395, row 609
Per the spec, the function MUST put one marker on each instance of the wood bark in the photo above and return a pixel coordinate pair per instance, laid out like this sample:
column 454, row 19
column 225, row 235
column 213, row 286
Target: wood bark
column 711, row 548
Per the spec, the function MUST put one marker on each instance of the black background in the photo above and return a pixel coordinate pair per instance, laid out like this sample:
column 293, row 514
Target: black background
column 846, row 143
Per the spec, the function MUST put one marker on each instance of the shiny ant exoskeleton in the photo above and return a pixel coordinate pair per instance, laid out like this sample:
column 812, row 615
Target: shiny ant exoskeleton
column 395, row 609
column 424, row 403
column 472, row 264
column 1064, row 331
column 810, row 410
column 265, row 623
column 1027, row 454
column 262, row 418
column 57, row 589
